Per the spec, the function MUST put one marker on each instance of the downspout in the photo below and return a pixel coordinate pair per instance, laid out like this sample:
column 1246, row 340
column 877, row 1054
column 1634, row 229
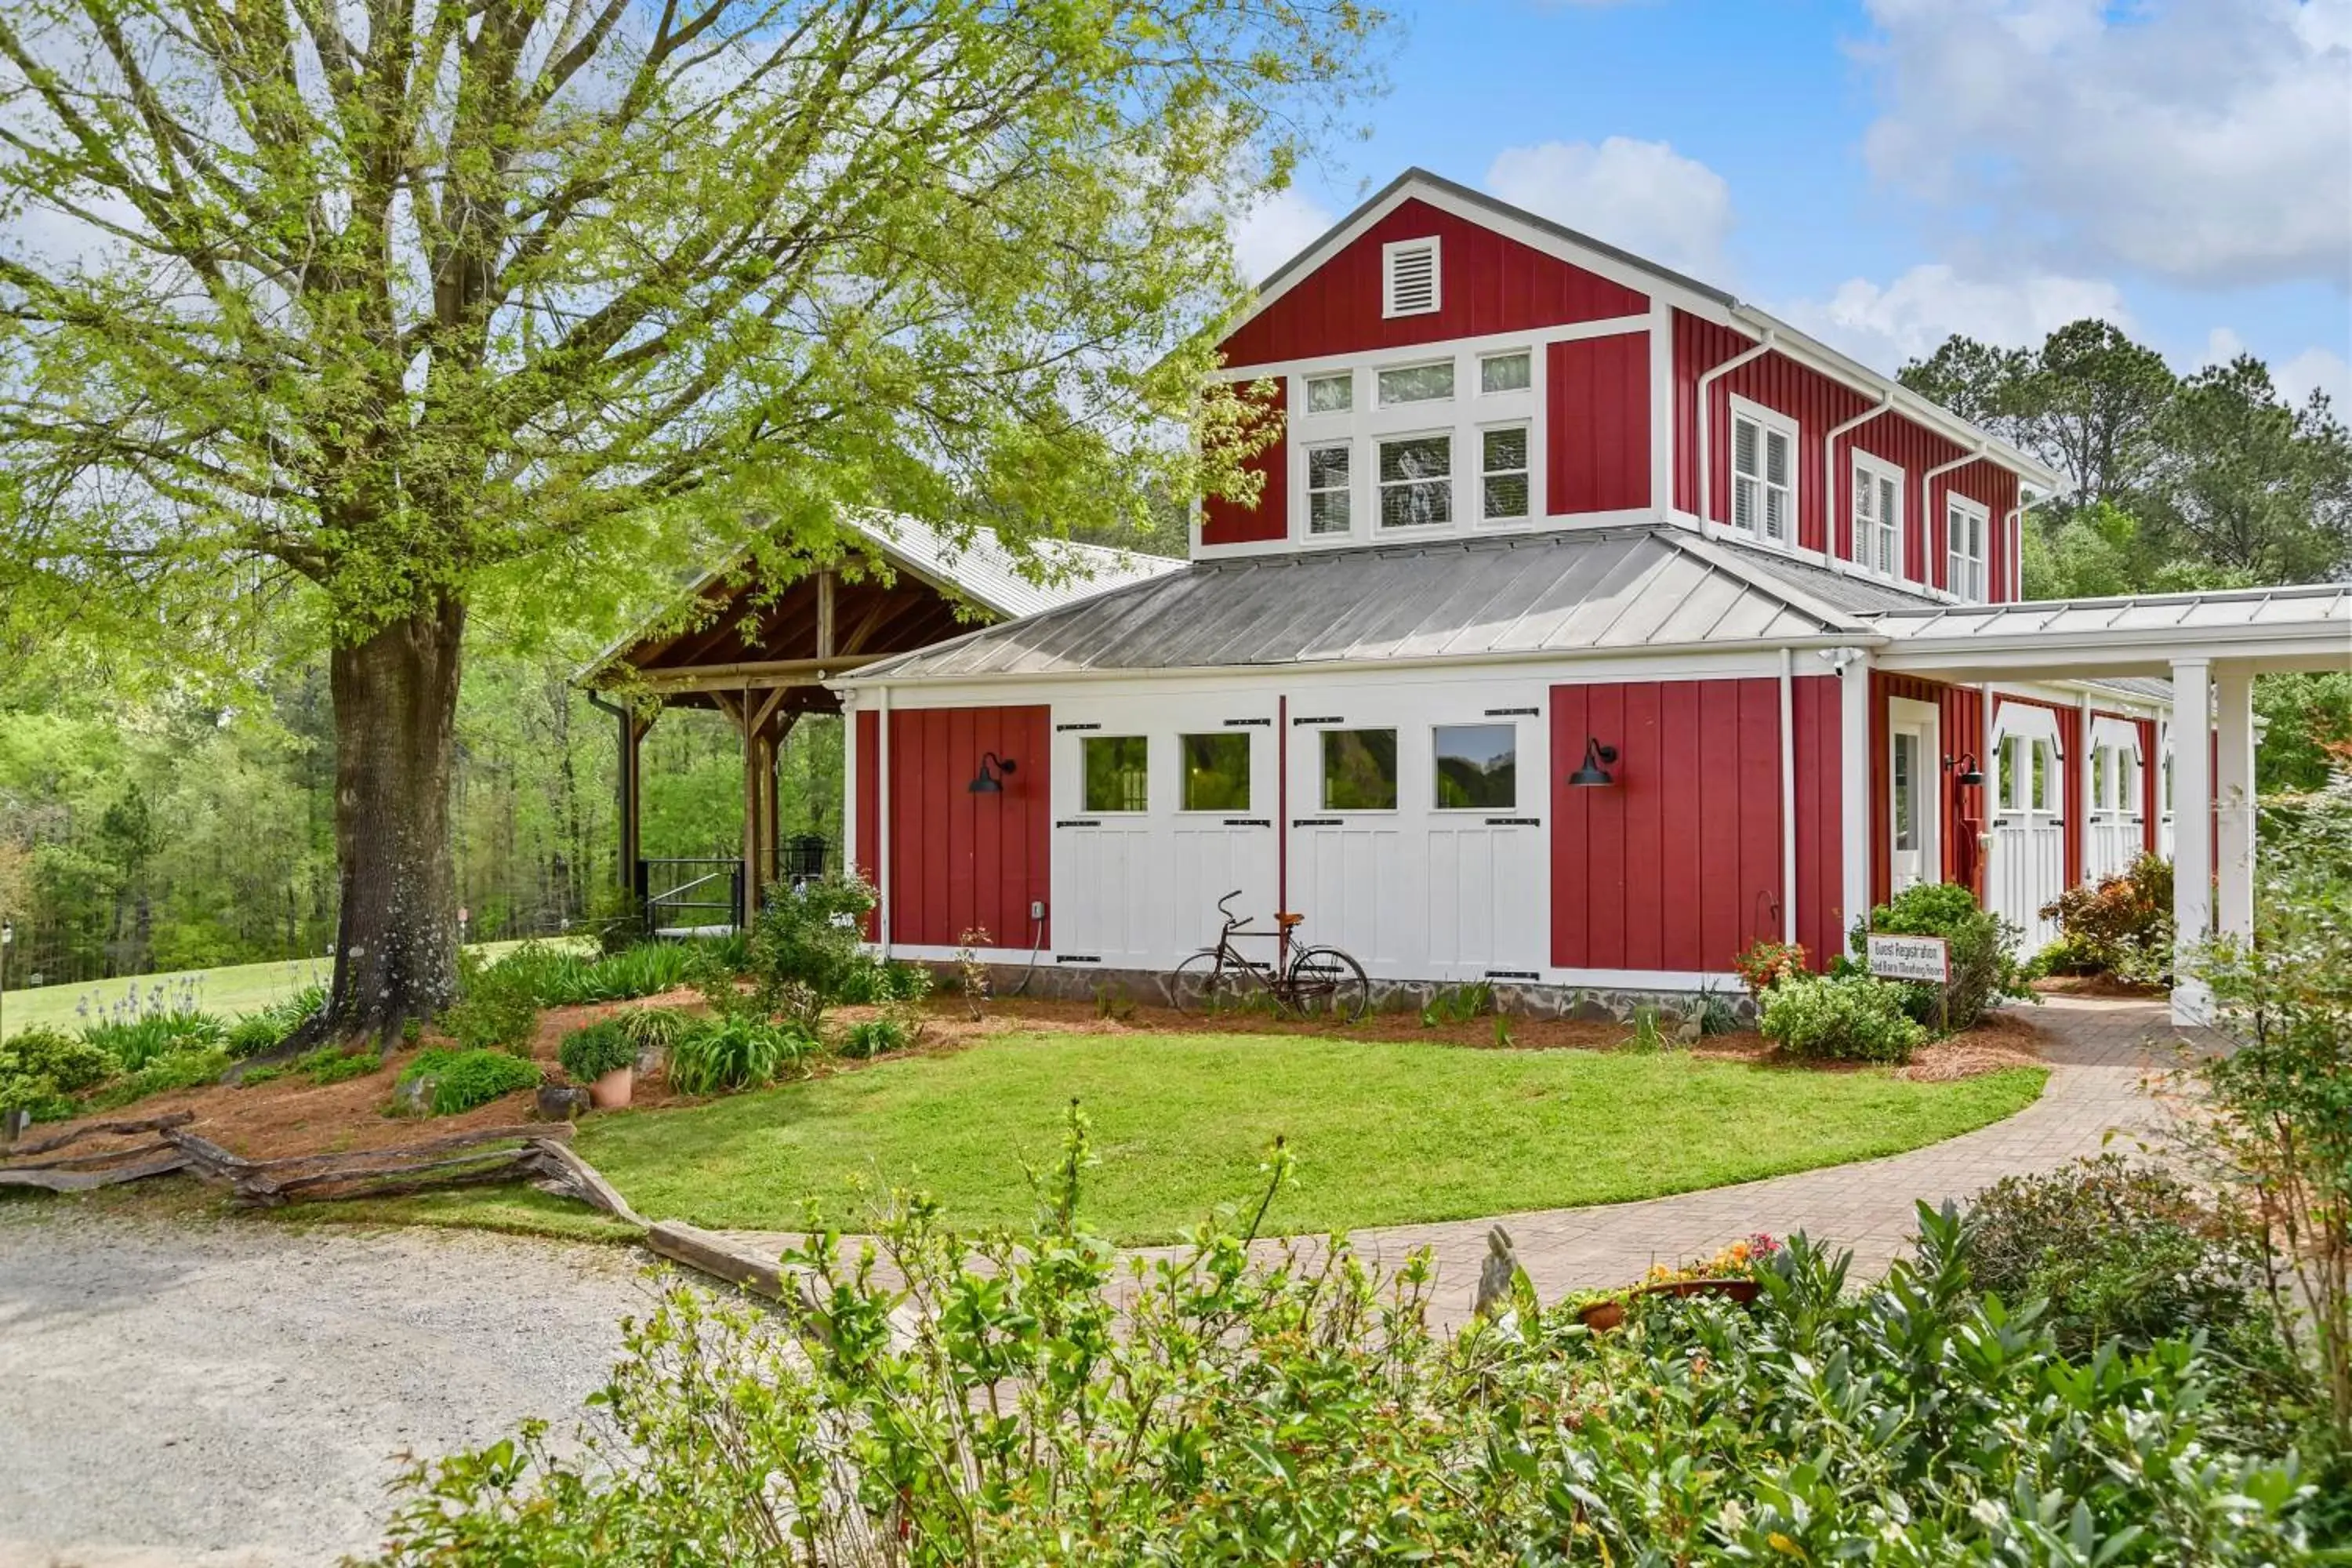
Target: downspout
column 882, row 810
column 1707, row 421
column 1788, row 797
column 1927, row 522
column 1282, row 803
column 1829, row 477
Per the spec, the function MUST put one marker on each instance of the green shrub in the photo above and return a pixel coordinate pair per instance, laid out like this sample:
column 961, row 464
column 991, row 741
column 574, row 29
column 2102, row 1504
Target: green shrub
column 735, row 1051
column 874, row 983
column 807, row 946
column 35, row 1094
column 1020, row 1399
column 495, row 1012
column 1984, row 971
column 1840, row 1017
column 268, row 1029
column 336, row 1064
column 191, row 1069
column 134, row 1042
column 589, row 1053
column 876, row 1036
column 71, row 1065
column 2122, row 926
column 466, row 1078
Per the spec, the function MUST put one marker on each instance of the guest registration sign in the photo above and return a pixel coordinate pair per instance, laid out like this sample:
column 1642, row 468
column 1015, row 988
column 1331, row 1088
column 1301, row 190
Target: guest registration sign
column 1925, row 958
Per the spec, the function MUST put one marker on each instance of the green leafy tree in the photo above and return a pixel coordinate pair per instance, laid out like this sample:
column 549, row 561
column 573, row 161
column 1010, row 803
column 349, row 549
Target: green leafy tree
column 380, row 318
column 2248, row 484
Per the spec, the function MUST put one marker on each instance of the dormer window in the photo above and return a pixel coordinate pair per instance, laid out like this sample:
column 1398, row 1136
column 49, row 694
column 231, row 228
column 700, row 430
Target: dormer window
column 1431, row 383
column 1763, row 473
column 1408, row 277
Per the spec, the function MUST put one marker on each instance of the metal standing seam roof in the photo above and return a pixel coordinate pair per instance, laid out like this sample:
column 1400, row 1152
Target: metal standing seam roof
column 2302, row 606
column 1598, row 589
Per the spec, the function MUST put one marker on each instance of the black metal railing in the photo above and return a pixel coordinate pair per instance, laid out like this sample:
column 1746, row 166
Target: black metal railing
column 691, row 889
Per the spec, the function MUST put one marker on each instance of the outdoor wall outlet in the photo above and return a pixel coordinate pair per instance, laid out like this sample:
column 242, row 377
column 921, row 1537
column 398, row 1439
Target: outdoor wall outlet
column 1036, row 909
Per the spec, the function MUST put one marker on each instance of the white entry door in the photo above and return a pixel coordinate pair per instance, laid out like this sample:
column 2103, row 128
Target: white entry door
column 1913, row 851
column 2028, row 828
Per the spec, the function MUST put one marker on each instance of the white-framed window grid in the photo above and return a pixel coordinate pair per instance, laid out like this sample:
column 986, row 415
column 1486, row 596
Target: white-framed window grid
column 1418, row 383
column 1876, row 536
column 1413, row 480
column 1968, row 527
column 1500, row 374
column 1506, row 482
column 1319, row 514
column 1764, row 474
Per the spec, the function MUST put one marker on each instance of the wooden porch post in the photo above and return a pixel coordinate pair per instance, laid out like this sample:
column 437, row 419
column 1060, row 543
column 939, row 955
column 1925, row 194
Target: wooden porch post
column 634, row 724
column 755, row 720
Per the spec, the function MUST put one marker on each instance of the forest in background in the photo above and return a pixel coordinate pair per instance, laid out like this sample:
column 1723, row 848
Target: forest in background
column 148, row 825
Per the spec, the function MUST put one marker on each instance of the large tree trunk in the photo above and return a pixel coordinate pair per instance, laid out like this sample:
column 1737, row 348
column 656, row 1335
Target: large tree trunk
column 395, row 698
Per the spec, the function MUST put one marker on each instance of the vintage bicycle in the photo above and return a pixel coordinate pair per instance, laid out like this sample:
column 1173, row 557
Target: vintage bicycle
column 1315, row 983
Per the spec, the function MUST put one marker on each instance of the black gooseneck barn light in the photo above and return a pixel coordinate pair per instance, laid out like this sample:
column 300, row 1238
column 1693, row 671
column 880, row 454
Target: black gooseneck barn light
column 990, row 780
column 1965, row 771
column 1593, row 773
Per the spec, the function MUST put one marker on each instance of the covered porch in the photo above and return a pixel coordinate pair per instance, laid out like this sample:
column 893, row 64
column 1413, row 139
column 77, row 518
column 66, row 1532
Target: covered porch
column 2198, row 774
column 754, row 641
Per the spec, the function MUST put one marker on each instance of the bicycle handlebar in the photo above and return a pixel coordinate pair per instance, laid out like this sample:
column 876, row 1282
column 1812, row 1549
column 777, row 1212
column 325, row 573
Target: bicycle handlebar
column 1234, row 922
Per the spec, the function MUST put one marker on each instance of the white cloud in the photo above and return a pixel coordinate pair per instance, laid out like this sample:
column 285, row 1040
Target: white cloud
column 1642, row 195
column 1884, row 325
column 1275, row 230
column 2208, row 142
column 2316, row 370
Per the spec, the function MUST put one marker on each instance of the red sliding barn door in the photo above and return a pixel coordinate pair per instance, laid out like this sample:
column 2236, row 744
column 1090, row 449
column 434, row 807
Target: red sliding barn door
column 959, row 861
column 1675, row 867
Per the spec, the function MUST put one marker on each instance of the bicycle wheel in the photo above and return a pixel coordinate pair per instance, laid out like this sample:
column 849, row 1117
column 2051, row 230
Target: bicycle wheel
column 1201, row 985
column 1327, row 983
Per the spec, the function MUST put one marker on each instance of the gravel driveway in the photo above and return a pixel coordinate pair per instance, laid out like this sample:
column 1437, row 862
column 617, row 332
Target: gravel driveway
column 237, row 1393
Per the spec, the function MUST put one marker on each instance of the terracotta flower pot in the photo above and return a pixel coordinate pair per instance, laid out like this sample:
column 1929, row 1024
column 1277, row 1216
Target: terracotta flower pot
column 1601, row 1316
column 611, row 1091
column 1740, row 1291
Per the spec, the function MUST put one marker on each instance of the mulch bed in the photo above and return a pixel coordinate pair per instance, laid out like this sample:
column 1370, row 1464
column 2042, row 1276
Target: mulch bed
column 290, row 1116
column 2096, row 985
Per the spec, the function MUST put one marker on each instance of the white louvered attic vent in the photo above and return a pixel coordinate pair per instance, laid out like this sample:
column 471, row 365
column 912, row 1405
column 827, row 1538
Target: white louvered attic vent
column 1408, row 277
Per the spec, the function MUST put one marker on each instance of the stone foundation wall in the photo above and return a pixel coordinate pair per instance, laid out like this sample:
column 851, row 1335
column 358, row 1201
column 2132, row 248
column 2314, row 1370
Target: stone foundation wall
column 1082, row 982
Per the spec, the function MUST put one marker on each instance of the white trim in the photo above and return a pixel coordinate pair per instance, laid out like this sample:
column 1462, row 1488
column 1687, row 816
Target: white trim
column 1396, row 250
column 2192, row 831
column 882, row 817
column 1787, row 795
column 1768, row 422
column 1853, row 786
column 1967, row 507
column 1534, row 340
column 1880, row 472
column 1664, row 437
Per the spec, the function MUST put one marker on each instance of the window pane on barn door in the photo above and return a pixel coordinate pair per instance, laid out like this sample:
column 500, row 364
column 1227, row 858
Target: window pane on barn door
column 1477, row 767
column 1217, row 771
column 1118, row 773
column 1360, row 771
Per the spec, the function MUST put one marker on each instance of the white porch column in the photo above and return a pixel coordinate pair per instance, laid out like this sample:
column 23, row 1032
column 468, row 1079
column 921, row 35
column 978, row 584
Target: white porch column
column 2233, row 799
column 2087, row 787
column 1853, row 789
column 2192, row 831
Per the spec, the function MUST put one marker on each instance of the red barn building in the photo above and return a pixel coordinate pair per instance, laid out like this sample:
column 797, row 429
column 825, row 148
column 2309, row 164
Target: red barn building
column 1592, row 627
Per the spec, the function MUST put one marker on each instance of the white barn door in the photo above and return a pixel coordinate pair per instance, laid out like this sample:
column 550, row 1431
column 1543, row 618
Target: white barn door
column 2029, row 827
column 2116, row 831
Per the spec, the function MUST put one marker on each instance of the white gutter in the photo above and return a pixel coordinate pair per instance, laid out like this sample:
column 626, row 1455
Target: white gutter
column 1707, row 421
column 1788, row 797
column 1829, row 473
column 1927, row 524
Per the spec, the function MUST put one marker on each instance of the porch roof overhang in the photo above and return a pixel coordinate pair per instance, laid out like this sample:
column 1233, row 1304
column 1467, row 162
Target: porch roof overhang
column 895, row 584
column 2269, row 630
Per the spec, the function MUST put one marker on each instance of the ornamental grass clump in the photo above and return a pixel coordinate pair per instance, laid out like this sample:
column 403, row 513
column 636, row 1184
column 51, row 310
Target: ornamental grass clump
column 942, row 1399
column 1843, row 1017
column 735, row 1051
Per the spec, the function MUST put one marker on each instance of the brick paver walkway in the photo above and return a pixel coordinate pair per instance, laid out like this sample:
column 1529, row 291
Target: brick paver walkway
column 2099, row 1051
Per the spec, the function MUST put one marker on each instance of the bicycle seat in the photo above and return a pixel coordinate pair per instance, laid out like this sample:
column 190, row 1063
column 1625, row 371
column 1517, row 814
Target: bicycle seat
column 1285, row 920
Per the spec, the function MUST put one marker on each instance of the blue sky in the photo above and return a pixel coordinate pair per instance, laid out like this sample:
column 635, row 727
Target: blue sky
column 1885, row 172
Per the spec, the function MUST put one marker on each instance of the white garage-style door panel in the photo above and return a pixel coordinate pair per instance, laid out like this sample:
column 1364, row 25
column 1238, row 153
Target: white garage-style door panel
column 2028, row 828
column 1485, row 912
column 2118, row 828
column 1109, row 908
column 1210, row 861
column 1355, row 896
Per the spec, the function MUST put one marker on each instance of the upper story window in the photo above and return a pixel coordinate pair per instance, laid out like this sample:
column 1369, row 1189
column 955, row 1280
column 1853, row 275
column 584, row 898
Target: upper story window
column 1965, row 524
column 1330, row 394
column 1877, row 515
column 1328, row 489
column 1430, row 382
column 1505, row 372
column 1763, row 473
column 1410, row 284
column 1503, row 473
column 1416, row 481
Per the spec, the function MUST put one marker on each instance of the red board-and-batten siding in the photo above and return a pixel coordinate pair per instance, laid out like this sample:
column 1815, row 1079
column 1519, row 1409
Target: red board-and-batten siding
column 1676, row 866
column 1224, row 521
column 959, row 862
column 1598, row 396
column 1959, row 729
column 1818, row 404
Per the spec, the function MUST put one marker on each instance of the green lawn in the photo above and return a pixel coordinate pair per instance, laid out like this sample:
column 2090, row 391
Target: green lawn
column 1383, row 1132
column 232, row 991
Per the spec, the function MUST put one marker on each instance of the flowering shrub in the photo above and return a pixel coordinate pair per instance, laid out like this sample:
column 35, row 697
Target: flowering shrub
column 1741, row 1260
column 1845, row 1017
column 2122, row 926
column 1766, row 963
column 941, row 1400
